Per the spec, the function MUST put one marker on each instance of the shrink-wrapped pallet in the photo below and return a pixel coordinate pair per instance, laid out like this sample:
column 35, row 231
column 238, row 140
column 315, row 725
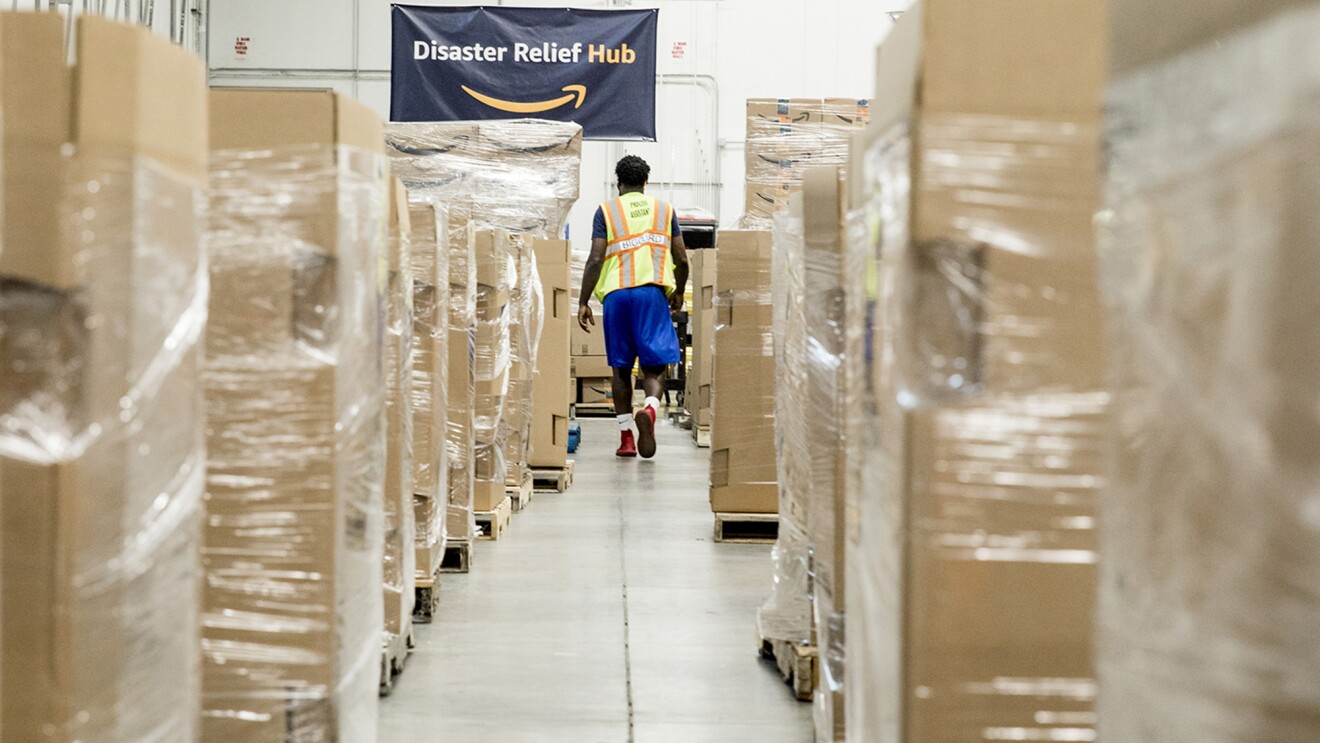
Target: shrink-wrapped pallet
column 294, row 403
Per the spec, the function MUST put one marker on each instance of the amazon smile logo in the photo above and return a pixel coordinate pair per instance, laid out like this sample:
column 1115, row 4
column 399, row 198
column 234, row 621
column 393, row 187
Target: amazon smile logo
column 534, row 107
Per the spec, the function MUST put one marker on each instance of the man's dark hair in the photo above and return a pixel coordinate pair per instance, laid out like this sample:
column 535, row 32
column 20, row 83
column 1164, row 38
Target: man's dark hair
column 632, row 171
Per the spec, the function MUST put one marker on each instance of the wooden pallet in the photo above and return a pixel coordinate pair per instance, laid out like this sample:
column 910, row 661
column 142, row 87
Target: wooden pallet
column 520, row 496
column 457, row 557
column 491, row 524
column 746, row 528
column 701, row 435
column 428, row 598
column 553, row 480
column 797, row 665
column 595, row 409
column 394, row 653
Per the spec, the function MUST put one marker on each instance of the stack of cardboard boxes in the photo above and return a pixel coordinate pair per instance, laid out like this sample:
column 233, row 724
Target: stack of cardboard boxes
column 701, row 326
column 784, row 622
column 400, row 562
column 591, row 368
column 295, row 418
column 742, row 465
column 550, row 390
column 831, row 397
column 510, row 182
column 428, row 396
column 525, row 308
column 461, row 382
column 786, row 136
column 494, row 254
column 972, row 574
column 103, row 308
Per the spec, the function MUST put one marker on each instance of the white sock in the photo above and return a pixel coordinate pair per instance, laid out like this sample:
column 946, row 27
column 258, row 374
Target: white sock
column 625, row 422
column 653, row 403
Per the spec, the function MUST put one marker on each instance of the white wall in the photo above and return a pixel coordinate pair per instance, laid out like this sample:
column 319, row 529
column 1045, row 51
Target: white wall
column 735, row 49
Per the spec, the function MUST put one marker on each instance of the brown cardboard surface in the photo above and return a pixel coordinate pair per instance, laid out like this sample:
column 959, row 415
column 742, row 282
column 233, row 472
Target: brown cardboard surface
column 1038, row 320
column 977, row 55
column 594, row 390
column 1005, row 608
column 589, row 343
column 550, row 389
column 254, row 118
column 744, row 497
column 101, row 108
column 78, row 623
column 398, row 565
column 318, row 507
column 743, row 261
column 701, row 316
column 290, row 117
column 487, row 494
column 584, row 367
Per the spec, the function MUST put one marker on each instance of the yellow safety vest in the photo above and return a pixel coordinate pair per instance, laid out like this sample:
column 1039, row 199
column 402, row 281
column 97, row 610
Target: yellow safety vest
column 639, row 231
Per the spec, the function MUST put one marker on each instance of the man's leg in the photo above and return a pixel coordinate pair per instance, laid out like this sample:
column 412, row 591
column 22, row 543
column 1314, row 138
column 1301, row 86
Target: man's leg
column 653, row 381
column 622, row 384
column 652, row 385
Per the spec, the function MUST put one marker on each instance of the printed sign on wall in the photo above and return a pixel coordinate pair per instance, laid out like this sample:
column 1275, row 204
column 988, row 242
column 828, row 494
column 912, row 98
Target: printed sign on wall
column 592, row 67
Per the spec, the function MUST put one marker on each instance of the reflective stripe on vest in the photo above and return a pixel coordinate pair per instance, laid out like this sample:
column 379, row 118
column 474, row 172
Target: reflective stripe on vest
column 639, row 235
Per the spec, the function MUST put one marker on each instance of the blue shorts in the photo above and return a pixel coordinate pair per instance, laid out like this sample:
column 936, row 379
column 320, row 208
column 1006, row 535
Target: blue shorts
column 638, row 327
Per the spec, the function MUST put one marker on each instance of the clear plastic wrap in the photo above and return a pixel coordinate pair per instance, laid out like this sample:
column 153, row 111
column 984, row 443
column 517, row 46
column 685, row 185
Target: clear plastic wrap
column 505, row 180
column 400, row 561
column 787, row 136
column 460, row 436
column 103, row 303
column 294, row 399
column 974, row 589
column 527, row 311
column 827, row 406
column 496, row 274
column 815, row 400
column 430, row 362
column 743, row 474
column 519, row 175
column 1210, row 584
column 786, row 616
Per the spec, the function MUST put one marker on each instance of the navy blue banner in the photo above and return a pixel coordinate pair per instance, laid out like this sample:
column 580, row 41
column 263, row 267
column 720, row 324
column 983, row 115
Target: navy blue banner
column 592, row 67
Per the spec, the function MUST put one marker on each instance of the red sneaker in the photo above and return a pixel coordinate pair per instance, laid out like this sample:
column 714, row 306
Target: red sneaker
column 627, row 448
column 645, row 420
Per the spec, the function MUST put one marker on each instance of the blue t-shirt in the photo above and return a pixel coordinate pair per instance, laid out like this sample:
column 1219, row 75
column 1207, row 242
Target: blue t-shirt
column 598, row 229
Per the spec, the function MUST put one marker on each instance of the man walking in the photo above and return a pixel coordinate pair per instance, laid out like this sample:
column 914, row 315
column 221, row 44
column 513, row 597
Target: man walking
column 639, row 270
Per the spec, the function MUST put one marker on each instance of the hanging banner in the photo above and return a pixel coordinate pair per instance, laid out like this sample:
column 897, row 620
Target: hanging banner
column 592, row 67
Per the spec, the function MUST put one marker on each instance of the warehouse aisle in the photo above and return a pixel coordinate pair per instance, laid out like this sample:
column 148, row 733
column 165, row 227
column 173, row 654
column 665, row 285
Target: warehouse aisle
column 606, row 615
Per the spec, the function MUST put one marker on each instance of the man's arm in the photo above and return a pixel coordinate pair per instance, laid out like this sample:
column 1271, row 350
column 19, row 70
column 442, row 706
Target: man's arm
column 590, row 277
column 681, row 267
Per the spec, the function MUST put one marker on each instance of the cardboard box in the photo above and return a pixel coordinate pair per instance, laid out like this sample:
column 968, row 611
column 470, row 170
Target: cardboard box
column 743, row 471
column 460, row 434
column 100, row 537
column 594, row 390
column 279, row 456
column 831, row 407
column 987, row 540
column 591, row 367
column 589, row 343
column 487, row 495
column 999, row 575
column 1040, row 321
column 701, row 325
column 550, row 388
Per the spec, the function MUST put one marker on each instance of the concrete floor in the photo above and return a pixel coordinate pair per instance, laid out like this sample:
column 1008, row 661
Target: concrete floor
column 604, row 615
